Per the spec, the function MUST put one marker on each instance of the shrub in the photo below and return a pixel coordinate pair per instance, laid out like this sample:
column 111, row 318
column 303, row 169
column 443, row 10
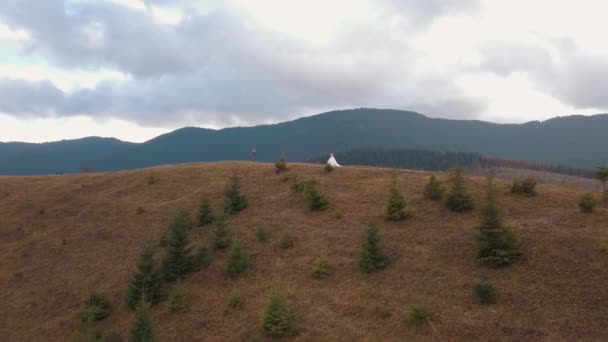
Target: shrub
column 202, row 258
column 236, row 301
column 418, row 314
column 497, row 245
column 458, row 199
column 280, row 164
column 321, row 270
column 587, row 203
column 146, row 282
column 286, row 240
column 604, row 247
column 524, row 186
column 235, row 201
column 313, row 197
column 221, row 239
column 260, row 233
column 601, row 174
column 177, row 299
column 296, row 185
column 238, row 261
column 151, row 179
column 383, row 311
column 178, row 261
column 96, row 307
column 140, row 210
column 88, row 333
column 396, row 208
column 434, row 189
column 485, row 293
column 205, row 213
column 278, row 319
column 372, row 257
column 328, row 168
column 143, row 326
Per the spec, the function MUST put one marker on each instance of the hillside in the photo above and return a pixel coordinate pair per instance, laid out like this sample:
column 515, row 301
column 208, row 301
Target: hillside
column 62, row 237
column 574, row 141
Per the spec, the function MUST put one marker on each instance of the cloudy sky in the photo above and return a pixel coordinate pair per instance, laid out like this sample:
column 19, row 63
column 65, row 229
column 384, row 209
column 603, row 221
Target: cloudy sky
column 133, row 69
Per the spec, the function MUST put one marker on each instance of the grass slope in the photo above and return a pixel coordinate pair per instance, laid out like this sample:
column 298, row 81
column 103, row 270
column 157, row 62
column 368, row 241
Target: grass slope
column 64, row 236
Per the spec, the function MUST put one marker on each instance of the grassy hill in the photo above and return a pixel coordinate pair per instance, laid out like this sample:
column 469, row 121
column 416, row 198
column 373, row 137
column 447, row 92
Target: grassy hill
column 62, row 237
column 574, row 141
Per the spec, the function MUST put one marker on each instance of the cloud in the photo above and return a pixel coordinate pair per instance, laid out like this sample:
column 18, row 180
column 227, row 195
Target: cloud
column 216, row 67
column 420, row 13
column 559, row 68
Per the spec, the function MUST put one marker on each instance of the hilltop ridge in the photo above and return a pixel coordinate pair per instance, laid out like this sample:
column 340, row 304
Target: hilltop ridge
column 62, row 237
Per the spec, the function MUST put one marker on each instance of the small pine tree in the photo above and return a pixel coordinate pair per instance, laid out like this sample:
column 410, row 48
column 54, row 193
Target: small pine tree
column 321, row 270
column 238, row 261
column 221, row 239
column 286, row 240
column 236, row 301
column 313, row 197
column 587, row 203
column 372, row 256
column 178, row 261
column 280, row 164
column 601, row 174
column 177, row 299
column 434, row 189
column 396, row 208
column 524, row 186
column 143, row 327
column 418, row 314
column 458, row 199
column 497, row 245
column 96, row 307
column 146, row 283
column 205, row 213
column 236, row 201
column 485, row 293
column 202, row 258
column 260, row 234
column 278, row 319
column 296, row 185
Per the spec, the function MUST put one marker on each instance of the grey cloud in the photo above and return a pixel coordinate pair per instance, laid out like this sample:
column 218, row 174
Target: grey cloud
column 212, row 68
column 423, row 12
column 572, row 76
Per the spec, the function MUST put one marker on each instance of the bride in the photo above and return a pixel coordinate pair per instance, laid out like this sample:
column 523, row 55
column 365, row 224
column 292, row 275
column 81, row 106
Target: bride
column 332, row 161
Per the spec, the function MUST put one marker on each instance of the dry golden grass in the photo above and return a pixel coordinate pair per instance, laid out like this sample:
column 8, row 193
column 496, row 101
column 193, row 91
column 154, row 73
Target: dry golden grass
column 64, row 236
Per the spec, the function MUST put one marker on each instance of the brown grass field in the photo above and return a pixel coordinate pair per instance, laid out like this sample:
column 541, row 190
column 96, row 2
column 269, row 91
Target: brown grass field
column 62, row 237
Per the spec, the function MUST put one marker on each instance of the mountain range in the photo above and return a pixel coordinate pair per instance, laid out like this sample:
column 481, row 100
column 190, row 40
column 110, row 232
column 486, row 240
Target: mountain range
column 573, row 141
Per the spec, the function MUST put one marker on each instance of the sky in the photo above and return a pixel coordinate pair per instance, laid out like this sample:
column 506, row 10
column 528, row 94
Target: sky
column 134, row 69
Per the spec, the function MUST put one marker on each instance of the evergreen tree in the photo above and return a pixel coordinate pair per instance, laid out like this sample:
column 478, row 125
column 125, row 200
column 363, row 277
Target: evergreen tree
column 178, row 260
column 372, row 255
column 221, row 239
column 280, row 164
column 458, row 199
column 396, row 208
column 143, row 327
column 146, row 283
column 497, row 245
column 235, row 199
column 587, row 203
column 205, row 213
column 434, row 189
column 602, row 175
column 238, row 261
column 278, row 319
column 314, row 198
